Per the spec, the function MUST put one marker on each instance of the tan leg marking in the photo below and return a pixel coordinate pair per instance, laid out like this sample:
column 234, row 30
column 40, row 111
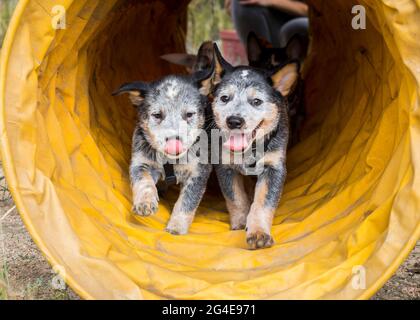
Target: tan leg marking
column 259, row 220
column 272, row 158
column 180, row 222
column 182, row 218
column 239, row 208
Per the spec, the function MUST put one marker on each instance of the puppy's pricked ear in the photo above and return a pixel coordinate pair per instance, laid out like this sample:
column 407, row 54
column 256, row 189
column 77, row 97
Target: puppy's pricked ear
column 285, row 79
column 204, row 79
column 136, row 90
column 221, row 66
column 254, row 48
column 297, row 47
column 207, row 79
column 204, row 57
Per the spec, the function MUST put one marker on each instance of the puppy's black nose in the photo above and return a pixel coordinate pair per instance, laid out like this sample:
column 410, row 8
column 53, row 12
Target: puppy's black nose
column 234, row 122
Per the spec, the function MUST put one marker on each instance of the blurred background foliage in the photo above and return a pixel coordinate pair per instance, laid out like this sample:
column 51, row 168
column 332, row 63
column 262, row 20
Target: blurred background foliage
column 6, row 10
column 206, row 18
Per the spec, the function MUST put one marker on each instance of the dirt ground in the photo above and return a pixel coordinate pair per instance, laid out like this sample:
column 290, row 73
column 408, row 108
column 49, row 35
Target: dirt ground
column 28, row 275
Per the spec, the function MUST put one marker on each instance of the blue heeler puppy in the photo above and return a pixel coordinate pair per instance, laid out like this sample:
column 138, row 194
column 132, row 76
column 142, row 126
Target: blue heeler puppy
column 171, row 112
column 250, row 106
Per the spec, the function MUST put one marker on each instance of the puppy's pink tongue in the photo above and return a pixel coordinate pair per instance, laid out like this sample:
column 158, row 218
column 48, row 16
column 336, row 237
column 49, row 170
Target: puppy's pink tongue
column 174, row 147
column 237, row 142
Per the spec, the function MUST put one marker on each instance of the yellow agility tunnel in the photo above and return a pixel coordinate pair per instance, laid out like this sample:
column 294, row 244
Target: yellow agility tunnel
column 350, row 213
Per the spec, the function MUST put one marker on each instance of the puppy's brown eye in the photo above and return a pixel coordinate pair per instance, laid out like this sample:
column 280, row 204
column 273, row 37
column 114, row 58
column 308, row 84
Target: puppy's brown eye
column 157, row 115
column 256, row 102
column 189, row 115
column 225, row 99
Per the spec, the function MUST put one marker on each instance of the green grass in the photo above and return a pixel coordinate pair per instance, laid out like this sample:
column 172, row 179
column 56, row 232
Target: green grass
column 3, row 291
column 32, row 289
column 205, row 19
column 6, row 10
column 3, row 294
column 3, row 282
column 3, row 270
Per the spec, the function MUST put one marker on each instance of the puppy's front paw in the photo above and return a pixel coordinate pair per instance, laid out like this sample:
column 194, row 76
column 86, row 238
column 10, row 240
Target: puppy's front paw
column 179, row 224
column 176, row 229
column 145, row 209
column 146, row 203
column 259, row 240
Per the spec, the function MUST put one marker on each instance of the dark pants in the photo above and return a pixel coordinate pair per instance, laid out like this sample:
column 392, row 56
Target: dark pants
column 271, row 24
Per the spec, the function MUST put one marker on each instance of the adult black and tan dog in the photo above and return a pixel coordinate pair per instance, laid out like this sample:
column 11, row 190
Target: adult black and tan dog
column 262, row 54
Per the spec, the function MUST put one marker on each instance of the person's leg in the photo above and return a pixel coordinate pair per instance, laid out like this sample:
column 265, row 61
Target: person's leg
column 295, row 26
column 250, row 18
column 265, row 22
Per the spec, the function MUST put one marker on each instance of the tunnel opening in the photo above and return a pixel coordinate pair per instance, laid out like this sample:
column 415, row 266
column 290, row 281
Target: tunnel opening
column 319, row 152
column 347, row 178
